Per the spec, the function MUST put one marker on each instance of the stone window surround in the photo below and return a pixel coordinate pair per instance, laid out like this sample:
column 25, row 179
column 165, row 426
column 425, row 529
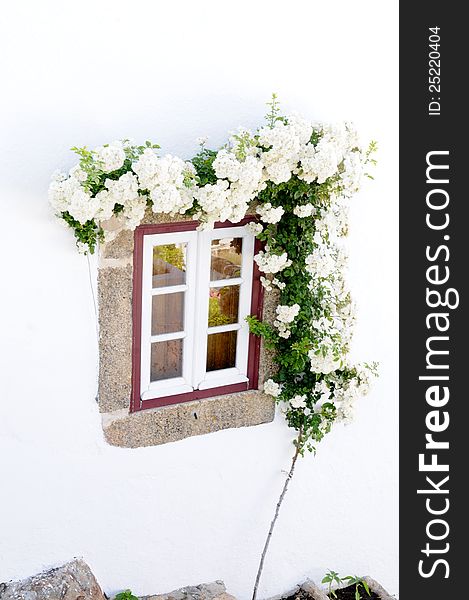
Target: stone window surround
column 173, row 422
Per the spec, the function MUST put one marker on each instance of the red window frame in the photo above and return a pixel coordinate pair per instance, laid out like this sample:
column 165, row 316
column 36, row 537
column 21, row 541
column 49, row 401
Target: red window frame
column 136, row 403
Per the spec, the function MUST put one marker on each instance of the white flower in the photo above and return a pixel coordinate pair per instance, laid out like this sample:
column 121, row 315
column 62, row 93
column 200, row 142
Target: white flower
column 146, row 168
column 134, row 211
column 61, row 190
column 227, row 166
column 283, row 330
column 323, row 364
column 250, row 178
column 272, row 389
column 269, row 214
column 124, row 189
column 78, row 173
column 107, row 203
column 284, row 143
column 170, row 181
column 278, row 171
column 298, row 401
column 287, row 314
column 214, row 200
column 318, row 163
column 345, row 412
column 280, row 284
column 321, row 262
column 365, row 375
column 254, row 228
column 353, row 172
column 304, row 210
column 266, row 283
column 201, row 141
column 244, row 175
column 272, row 263
column 110, row 157
column 83, row 207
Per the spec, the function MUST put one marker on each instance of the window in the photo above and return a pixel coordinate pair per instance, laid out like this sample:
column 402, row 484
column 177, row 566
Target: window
column 192, row 292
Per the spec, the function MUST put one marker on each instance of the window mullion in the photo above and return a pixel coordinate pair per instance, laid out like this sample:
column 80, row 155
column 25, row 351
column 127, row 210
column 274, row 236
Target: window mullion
column 191, row 296
column 201, row 307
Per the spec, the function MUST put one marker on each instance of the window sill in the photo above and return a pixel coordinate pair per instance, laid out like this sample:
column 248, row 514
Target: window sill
column 175, row 422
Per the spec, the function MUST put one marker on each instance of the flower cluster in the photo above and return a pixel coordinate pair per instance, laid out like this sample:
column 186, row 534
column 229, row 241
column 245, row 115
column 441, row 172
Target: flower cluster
column 170, row 182
column 110, row 157
column 304, row 210
column 297, row 176
column 284, row 319
column 285, row 149
column 272, row 263
column 272, row 388
column 269, row 284
column 269, row 214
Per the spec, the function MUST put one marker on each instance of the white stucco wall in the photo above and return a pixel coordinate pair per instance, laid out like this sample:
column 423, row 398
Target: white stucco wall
column 155, row 519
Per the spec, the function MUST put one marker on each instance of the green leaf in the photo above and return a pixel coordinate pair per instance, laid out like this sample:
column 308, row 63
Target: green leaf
column 125, row 595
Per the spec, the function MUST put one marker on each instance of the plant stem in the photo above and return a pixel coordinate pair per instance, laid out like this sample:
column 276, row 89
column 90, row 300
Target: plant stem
column 277, row 510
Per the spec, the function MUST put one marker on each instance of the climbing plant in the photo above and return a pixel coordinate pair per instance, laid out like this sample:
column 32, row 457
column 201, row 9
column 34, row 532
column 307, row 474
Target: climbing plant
column 299, row 177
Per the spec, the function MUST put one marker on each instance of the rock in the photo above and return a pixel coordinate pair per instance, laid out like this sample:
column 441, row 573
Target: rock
column 205, row 591
column 313, row 590
column 288, row 594
column 378, row 589
column 72, row 581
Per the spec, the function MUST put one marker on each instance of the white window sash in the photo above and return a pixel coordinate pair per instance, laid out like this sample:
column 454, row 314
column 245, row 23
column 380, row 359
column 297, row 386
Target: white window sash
column 202, row 379
column 176, row 385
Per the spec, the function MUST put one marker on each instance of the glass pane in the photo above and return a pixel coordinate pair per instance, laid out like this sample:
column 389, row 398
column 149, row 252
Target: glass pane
column 169, row 265
column 226, row 258
column 167, row 313
column 223, row 305
column 166, row 360
column 221, row 350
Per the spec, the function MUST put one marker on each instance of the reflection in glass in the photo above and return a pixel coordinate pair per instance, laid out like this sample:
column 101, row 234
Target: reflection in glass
column 226, row 258
column 167, row 313
column 221, row 350
column 169, row 265
column 223, row 305
column 166, row 360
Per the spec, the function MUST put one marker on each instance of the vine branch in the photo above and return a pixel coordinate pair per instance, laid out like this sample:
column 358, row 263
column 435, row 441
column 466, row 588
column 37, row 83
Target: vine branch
column 277, row 511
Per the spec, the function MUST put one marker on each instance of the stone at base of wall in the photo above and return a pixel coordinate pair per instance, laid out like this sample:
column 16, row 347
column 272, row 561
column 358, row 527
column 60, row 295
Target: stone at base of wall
column 72, row 581
column 175, row 422
column 205, row 591
column 75, row 581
